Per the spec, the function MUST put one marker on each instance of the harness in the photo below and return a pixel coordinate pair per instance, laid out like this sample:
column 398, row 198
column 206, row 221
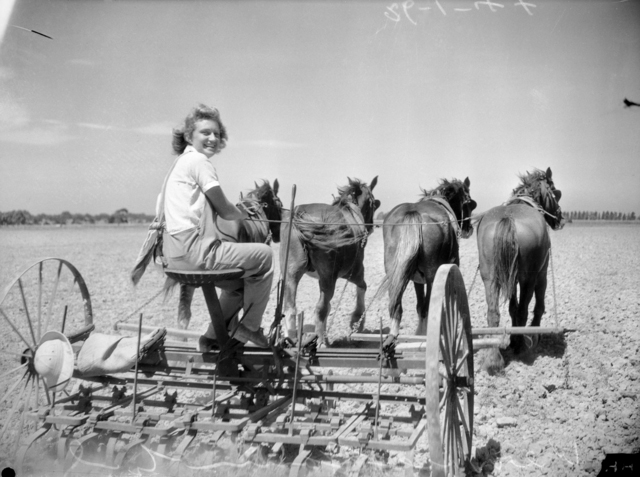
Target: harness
column 529, row 201
column 453, row 220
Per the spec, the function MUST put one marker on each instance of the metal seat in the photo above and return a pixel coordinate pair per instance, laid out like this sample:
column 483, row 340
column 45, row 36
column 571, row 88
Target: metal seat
column 207, row 279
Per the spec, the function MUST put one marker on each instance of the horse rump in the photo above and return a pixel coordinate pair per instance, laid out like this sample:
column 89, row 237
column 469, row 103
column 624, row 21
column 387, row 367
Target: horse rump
column 505, row 258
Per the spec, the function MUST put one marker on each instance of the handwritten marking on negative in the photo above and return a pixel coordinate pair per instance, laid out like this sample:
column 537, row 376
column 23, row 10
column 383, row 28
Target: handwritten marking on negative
column 407, row 9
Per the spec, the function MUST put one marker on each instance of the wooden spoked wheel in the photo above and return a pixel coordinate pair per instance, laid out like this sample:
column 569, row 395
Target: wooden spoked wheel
column 49, row 295
column 449, row 374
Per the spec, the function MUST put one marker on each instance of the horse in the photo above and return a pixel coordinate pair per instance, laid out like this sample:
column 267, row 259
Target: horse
column 418, row 238
column 327, row 242
column 266, row 207
column 514, row 249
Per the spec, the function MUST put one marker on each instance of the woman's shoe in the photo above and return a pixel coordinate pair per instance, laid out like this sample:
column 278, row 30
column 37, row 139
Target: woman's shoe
column 207, row 344
column 244, row 334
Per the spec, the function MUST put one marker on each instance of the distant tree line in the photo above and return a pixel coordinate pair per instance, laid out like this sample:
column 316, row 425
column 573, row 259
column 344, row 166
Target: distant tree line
column 606, row 215
column 120, row 216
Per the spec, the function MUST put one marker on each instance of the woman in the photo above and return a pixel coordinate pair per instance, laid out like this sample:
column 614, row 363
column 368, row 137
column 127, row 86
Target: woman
column 194, row 203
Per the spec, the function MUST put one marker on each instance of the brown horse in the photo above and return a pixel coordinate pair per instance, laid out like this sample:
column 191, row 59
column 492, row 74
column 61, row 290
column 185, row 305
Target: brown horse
column 418, row 238
column 265, row 228
column 514, row 247
column 327, row 243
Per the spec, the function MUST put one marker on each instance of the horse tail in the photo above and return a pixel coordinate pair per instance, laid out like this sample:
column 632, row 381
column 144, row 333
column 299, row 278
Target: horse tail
column 408, row 243
column 505, row 257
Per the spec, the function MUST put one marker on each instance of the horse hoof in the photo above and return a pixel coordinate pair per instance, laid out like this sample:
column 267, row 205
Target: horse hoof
column 491, row 361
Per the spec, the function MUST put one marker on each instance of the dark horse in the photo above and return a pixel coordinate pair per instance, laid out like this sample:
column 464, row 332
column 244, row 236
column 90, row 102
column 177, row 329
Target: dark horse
column 263, row 228
column 327, row 243
column 514, row 247
column 418, row 238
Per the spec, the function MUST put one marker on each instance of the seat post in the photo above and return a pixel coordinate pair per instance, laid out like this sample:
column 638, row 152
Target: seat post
column 207, row 279
column 215, row 311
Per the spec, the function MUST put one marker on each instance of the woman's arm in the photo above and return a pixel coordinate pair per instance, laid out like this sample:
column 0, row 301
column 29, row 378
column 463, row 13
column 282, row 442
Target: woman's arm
column 223, row 207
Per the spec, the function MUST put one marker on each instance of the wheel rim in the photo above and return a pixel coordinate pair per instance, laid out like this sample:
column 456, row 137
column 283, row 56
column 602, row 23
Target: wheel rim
column 449, row 362
column 49, row 295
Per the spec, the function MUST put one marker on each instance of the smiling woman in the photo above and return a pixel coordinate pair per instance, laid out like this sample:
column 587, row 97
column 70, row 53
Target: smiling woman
column 191, row 213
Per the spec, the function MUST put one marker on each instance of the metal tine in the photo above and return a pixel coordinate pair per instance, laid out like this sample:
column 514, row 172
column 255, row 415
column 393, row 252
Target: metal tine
column 297, row 371
column 377, row 424
column 39, row 301
column 54, row 293
column 278, row 317
column 135, row 377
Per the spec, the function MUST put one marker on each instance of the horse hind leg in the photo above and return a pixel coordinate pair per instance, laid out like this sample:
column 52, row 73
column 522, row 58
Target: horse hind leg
column 539, row 308
column 184, row 306
column 521, row 343
column 422, row 307
column 491, row 359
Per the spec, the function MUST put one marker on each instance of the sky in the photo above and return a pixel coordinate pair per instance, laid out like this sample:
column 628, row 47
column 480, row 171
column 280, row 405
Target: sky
column 312, row 93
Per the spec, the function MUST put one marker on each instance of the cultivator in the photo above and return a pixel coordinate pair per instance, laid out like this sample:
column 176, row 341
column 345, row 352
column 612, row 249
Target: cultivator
column 342, row 407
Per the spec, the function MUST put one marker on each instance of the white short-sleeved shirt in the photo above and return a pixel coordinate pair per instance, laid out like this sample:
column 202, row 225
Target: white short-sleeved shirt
column 184, row 198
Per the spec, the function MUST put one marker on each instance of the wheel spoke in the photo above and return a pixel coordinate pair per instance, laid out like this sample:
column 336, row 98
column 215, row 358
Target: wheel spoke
column 16, row 330
column 446, row 357
column 14, row 408
column 13, row 387
column 465, row 424
column 52, row 299
column 25, row 408
column 445, row 394
column 13, row 370
column 11, row 353
column 462, row 361
column 26, row 311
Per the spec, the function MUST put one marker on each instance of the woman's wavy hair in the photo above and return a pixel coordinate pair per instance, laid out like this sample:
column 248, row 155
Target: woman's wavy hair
column 200, row 112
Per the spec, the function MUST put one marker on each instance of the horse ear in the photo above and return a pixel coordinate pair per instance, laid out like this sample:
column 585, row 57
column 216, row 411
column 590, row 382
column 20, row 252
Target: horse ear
column 373, row 182
column 255, row 184
column 548, row 173
column 467, row 182
column 276, row 186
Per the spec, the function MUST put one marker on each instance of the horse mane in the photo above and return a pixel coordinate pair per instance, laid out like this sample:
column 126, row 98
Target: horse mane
column 260, row 190
column 446, row 188
column 530, row 184
column 349, row 193
column 534, row 185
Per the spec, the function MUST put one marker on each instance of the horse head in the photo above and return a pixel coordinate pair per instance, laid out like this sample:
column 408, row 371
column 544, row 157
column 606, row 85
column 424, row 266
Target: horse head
column 270, row 204
column 360, row 194
column 456, row 193
column 540, row 187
